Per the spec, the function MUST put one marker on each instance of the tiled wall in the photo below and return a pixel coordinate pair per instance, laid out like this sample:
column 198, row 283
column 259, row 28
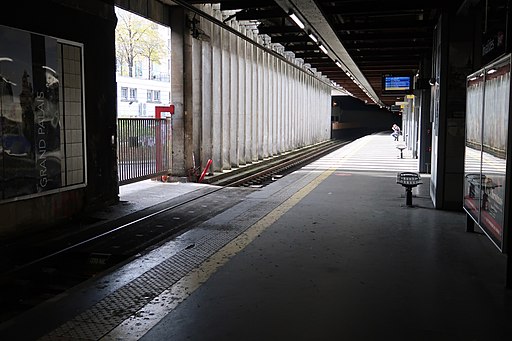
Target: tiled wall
column 73, row 144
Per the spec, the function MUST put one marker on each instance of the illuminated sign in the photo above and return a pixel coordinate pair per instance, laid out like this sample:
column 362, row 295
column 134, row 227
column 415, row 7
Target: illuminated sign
column 392, row 84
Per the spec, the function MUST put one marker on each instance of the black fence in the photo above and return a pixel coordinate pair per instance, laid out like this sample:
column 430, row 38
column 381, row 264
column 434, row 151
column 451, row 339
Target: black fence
column 144, row 148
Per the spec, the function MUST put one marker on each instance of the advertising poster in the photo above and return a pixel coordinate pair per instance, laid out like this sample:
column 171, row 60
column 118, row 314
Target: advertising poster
column 30, row 153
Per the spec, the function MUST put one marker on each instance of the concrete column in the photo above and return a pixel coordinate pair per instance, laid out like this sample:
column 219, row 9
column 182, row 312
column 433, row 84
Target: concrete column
column 313, row 110
column 233, row 99
column 254, row 103
column 259, row 98
column 302, row 100
column 248, row 100
column 268, row 105
column 315, row 107
column 315, row 132
column 289, row 111
column 275, row 111
column 288, row 108
column 293, row 109
column 280, row 105
column 177, row 21
column 216, row 66
column 296, row 105
column 297, row 114
column 206, row 151
column 265, row 109
column 225, row 99
column 193, row 102
column 271, row 105
column 307, row 110
column 326, row 122
column 242, row 110
column 448, row 129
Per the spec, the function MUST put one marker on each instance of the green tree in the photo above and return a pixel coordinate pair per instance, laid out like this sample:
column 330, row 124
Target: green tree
column 152, row 48
column 136, row 38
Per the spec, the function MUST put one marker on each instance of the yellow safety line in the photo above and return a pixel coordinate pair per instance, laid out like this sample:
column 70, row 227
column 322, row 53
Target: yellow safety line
column 140, row 323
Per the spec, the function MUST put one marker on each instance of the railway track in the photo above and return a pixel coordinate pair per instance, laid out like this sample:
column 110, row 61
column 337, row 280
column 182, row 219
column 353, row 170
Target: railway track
column 259, row 175
column 38, row 271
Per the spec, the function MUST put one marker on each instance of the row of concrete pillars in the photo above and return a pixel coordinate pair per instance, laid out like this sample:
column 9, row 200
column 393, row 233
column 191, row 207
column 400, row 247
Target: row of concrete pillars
column 237, row 100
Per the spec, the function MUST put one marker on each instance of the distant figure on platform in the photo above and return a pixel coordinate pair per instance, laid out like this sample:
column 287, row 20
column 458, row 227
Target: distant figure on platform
column 396, row 132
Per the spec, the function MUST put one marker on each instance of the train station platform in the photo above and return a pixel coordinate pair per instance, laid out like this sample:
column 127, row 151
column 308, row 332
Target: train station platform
column 328, row 252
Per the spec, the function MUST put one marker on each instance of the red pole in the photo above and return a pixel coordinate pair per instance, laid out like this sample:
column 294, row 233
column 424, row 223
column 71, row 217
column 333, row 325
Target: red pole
column 203, row 174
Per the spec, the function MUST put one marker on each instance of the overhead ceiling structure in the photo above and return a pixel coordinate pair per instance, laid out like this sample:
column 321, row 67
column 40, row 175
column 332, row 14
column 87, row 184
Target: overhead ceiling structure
column 352, row 42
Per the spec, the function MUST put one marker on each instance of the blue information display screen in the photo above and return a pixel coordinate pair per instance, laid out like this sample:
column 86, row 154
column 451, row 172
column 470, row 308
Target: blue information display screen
column 397, row 83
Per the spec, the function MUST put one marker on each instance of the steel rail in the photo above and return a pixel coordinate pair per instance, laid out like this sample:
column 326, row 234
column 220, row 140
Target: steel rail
column 243, row 179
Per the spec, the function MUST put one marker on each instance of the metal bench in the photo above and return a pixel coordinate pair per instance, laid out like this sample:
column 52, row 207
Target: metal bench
column 408, row 180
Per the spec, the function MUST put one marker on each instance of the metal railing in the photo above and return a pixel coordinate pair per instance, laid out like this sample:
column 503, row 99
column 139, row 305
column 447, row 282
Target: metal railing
column 144, row 148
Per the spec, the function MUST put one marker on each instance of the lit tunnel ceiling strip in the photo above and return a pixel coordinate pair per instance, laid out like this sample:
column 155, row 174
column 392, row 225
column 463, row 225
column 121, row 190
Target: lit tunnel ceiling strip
column 317, row 23
column 219, row 23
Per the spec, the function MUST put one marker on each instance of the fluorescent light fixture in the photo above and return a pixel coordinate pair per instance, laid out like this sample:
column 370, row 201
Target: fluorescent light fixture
column 338, row 63
column 324, row 50
column 491, row 71
column 472, row 78
column 296, row 20
column 312, row 36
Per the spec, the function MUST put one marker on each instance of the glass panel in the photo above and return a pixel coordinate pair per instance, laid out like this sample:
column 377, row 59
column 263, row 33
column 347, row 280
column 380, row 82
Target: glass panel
column 30, row 113
column 494, row 150
column 16, row 114
column 34, row 109
column 473, row 151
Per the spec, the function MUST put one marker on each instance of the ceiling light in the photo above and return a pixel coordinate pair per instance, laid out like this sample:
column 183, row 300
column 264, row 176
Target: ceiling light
column 296, row 20
column 491, row 71
column 339, row 64
column 324, row 50
column 312, row 36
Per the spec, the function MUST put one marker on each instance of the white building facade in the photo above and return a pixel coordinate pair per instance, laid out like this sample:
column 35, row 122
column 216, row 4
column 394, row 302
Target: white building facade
column 148, row 87
column 137, row 97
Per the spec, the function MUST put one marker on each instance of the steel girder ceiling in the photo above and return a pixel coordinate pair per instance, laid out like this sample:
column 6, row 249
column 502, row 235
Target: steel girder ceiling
column 368, row 38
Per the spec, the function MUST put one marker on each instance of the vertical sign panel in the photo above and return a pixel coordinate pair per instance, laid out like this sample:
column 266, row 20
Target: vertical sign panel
column 46, row 113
